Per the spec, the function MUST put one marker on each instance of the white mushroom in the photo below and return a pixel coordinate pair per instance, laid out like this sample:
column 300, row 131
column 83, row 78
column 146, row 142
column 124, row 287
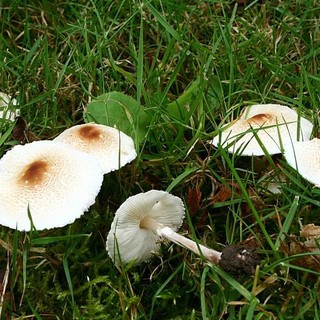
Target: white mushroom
column 304, row 156
column 111, row 147
column 6, row 110
column 142, row 221
column 56, row 183
column 272, row 124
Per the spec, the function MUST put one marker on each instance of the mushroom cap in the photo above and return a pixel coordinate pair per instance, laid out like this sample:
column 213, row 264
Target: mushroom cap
column 128, row 239
column 304, row 156
column 111, row 147
column 273, row 124
column 56, row 182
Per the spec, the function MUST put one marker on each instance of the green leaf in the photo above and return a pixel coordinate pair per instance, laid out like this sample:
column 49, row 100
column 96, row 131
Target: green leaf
column 179, row 107
column 118, row 110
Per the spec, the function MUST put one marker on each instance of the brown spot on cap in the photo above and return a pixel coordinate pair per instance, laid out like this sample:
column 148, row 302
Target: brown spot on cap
column 89, row 133
column 35, row 173
column 260, row 118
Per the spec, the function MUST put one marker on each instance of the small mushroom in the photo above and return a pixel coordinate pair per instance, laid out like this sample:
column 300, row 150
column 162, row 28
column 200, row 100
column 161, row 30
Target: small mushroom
column 52, row 181
column 111, row 147
column 272, row 124
column 304, row 156
column 142, row 221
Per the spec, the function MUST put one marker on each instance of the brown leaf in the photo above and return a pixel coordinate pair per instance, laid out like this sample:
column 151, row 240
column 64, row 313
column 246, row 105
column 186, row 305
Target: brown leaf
column 193, row 199
column 223, row 194
column 311, row 233
column 251, row 242
column 22, row 133
column 256, row 200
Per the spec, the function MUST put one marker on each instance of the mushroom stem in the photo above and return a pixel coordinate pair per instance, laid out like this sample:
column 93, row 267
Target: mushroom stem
column 166, row 232
column 209, row 254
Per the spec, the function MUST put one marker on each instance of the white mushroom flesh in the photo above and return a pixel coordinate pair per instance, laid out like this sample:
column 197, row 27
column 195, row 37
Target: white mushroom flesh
column 304, row 156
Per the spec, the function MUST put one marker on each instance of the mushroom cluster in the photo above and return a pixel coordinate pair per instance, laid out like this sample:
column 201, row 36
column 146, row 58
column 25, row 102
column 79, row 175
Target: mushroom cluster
column 34, row 191
column 48, row 184
column 266, row 129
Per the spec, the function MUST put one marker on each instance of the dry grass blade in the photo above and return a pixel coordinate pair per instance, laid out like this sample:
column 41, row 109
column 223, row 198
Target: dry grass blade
column 3, row 288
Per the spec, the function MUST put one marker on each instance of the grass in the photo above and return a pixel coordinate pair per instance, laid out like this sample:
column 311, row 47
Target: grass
column 193, row 65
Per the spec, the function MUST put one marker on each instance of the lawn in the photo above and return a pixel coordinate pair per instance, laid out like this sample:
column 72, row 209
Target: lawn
column 191, row 67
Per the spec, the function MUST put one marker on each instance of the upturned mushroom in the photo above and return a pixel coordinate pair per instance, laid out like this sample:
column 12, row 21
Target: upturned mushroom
column 272, row 125
column 52, row 181
column 112, row 148
column 142, row 221
column 304, row 156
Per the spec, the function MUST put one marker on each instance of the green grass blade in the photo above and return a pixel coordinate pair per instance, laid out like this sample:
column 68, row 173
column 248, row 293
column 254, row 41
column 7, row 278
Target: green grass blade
column 5, row 136
column 55, row 239
column 14, row 260
column 167, row 281
column 203, row 293
column 68, row 277
column 180, row 178
column 140, row 63
column 163, row 21
column 235, row 284
column 287, row 223
column 247, row 197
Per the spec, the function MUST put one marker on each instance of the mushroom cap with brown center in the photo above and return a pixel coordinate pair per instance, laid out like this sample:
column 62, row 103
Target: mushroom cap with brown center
column 129, row 238
column 56, row 183
column 304, row 156
column 112, row 148
column 272, row 124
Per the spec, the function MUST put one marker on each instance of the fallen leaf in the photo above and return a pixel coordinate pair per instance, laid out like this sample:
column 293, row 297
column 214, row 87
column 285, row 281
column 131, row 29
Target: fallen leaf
column 224, row 193
column 193, row 199
column 311, row 233
column 21, row 132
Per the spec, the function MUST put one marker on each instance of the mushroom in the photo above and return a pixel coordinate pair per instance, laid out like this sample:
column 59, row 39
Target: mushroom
column 142, row 221
column 269, row 124
column 304, row 156
column 6, row 110
column 111, row 147
column 53, row 182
